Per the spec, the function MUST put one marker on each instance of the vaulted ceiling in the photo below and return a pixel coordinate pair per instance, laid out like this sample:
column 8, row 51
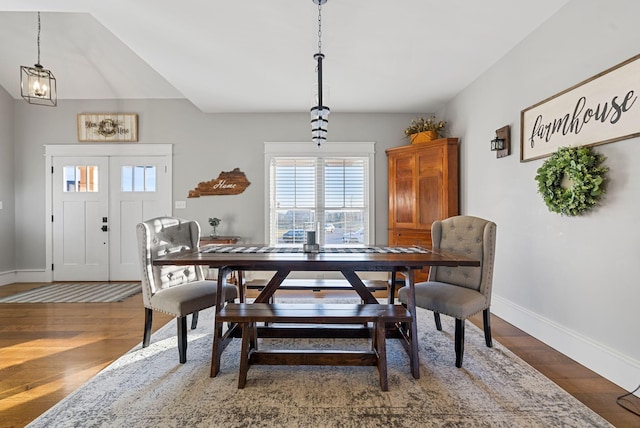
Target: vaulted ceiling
column 257, row 56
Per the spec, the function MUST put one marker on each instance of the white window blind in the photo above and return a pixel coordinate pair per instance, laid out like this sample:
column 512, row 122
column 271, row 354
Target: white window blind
column 330, row 194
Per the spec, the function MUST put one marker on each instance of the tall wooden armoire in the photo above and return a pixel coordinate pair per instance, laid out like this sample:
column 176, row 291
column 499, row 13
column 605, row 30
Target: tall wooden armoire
column 423, row 187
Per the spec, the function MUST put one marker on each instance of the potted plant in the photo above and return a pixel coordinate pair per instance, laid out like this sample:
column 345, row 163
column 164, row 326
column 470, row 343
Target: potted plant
column 422, row 130
column 214, row 222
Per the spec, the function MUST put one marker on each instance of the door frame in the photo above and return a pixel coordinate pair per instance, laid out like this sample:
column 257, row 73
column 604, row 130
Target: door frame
column 79, row 150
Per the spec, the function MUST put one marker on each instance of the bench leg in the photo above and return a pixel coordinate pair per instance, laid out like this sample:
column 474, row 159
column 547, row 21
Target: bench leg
column 381, row 348
column 244, row 354
column 253, row 344
column 217, row 348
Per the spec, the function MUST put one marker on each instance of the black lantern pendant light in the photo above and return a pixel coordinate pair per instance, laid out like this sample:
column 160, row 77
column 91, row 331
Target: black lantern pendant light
column 319, row 112
column 37, row 84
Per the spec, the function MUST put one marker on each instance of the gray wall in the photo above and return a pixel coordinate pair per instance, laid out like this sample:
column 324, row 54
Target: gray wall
column 7, row 214
column 573, row 282
column 204, row 145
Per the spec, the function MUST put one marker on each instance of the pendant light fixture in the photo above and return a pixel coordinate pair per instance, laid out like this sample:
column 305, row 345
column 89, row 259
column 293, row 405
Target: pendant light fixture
column 319, row 112
column 37, row 84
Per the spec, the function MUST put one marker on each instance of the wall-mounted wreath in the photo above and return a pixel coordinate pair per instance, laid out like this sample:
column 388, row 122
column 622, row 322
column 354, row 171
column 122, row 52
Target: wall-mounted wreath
column 571, row 180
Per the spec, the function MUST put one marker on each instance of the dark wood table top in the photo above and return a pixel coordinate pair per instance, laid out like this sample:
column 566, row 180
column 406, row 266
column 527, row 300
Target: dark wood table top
column 301, row 261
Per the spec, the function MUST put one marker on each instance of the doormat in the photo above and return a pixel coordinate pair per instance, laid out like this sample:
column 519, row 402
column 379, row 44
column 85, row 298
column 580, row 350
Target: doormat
column 76, row 292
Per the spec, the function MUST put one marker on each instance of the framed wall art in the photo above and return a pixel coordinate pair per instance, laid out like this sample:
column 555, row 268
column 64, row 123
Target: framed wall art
column 108, row 127
column 602, row 109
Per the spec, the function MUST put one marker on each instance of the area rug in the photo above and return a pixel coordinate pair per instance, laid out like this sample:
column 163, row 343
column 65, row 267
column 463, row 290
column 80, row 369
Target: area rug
column 150, row 388
column 76, row 292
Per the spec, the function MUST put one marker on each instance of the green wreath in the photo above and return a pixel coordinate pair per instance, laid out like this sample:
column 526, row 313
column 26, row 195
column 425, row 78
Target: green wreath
column 571, row 180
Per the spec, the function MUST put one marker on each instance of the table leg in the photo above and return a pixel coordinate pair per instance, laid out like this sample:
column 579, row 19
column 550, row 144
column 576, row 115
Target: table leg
column 242, row 292
column 272, row 286
column 359, row 286
column 216, row 350
column 413, row 327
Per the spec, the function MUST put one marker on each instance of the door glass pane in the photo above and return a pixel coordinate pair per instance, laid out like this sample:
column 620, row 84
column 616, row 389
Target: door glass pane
column 138, row 178
column 127, row 179
column 150, row 178
column 80, row 178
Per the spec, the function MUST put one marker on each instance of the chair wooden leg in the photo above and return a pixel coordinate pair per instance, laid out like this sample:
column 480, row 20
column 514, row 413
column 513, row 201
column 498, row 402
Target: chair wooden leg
column 182, row 339
column 459, row 341
column 194, row 320
column 148, row 319
column 486, row 318
column 436, row 317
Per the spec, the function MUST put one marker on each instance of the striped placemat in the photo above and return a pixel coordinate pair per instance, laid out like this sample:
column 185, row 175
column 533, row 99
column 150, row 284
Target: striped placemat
column 76, row 292
column 255, row 249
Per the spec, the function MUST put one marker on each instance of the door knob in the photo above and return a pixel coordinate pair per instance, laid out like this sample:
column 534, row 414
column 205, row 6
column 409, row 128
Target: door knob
column 104, row 228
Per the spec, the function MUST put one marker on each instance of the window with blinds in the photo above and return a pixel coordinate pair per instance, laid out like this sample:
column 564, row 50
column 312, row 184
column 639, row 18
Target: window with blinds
column 327, row 194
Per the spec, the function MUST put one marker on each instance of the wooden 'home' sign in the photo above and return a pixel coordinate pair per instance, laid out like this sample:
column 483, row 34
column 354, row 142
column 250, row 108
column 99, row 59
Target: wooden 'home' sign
column 228, row 183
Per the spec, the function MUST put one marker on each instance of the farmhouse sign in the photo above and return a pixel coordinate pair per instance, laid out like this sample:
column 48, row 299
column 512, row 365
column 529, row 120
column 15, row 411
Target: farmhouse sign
column 228, row 183
column 602, row 109
column 108, row 127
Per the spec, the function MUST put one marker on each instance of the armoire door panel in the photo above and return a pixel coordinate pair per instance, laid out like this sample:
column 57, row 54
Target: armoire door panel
column 429, row 200
column 423, row 188
column 405, row 202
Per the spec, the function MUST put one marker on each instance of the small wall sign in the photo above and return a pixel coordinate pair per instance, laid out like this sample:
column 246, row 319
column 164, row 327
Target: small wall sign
column 228, row 183
column 602, row 109
column 108, row 127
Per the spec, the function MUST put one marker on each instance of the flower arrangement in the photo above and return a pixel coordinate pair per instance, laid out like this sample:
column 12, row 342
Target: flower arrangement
column 214, row 222
column 430, row 124
column 571, row 180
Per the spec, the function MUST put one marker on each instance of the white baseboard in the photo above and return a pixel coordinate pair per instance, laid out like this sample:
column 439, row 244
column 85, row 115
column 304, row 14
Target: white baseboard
column 18, row 276
column 8, row 278
column 620, row 369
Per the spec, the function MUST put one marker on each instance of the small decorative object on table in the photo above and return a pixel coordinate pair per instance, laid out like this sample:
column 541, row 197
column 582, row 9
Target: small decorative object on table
column 424, row 130
column 311, row 246
column 214, row 222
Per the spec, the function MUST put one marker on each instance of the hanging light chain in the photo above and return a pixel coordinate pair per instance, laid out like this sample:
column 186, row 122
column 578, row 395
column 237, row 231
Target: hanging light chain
column 38, row 38
column 320, row 27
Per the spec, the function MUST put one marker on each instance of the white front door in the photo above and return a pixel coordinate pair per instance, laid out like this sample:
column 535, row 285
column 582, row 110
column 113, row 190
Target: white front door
column 96, row 203
column 81, row 196
column 138, row 192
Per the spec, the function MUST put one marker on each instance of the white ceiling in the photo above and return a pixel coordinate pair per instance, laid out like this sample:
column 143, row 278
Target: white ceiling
column 257, row 56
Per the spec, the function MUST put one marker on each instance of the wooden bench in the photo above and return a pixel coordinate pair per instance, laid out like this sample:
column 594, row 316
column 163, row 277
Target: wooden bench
column 247, row 315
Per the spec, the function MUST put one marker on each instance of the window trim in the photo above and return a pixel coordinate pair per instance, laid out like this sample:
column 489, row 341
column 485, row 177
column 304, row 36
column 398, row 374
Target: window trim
column 328, row 149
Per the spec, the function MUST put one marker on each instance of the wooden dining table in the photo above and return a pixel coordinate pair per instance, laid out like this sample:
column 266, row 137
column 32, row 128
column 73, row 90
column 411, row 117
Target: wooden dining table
column 284, row 260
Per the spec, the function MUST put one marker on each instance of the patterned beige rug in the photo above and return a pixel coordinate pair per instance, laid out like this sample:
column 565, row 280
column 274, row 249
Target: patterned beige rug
column 149, row 388
column 76, row 292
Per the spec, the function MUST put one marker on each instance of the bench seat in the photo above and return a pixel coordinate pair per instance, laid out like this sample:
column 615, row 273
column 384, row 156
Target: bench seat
column 246, row 315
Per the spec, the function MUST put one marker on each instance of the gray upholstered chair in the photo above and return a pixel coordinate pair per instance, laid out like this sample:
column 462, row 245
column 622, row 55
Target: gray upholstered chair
column 175, row 290
column 460, row 291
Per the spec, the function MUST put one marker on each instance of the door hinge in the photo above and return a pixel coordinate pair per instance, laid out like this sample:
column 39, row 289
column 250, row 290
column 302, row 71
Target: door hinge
column 51, row 170
column 52, row 266
column 52, row 218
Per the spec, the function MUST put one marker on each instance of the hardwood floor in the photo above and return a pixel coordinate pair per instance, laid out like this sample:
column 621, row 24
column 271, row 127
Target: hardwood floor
column 49, row 350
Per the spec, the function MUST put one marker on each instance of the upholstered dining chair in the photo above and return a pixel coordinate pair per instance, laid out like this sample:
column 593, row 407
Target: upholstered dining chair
column 460, row 292
column 175, row 290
